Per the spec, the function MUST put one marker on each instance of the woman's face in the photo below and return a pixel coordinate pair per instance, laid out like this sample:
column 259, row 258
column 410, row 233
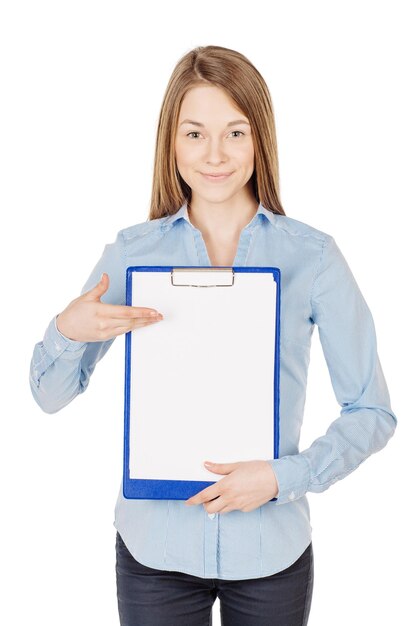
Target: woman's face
column 213, row 137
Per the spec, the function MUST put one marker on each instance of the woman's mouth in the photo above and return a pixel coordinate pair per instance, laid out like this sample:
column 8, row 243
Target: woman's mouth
column 216, row 177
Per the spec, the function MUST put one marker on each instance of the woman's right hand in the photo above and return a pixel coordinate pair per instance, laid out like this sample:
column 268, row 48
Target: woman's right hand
column 88, row 319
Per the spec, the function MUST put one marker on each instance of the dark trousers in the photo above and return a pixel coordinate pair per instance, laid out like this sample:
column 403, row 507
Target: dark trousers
column 154, row 597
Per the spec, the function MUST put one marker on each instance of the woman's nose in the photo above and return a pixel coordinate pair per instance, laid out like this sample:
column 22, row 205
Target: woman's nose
column 215, row 153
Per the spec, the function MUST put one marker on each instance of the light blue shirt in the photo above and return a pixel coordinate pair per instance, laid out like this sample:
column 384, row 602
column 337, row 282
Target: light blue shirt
column 317, row 288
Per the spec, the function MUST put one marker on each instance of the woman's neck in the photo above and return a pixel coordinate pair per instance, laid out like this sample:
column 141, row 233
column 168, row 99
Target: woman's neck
column 222, row 221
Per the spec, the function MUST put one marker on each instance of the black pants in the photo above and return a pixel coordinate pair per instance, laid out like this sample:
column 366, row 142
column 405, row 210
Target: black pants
column 154, row 597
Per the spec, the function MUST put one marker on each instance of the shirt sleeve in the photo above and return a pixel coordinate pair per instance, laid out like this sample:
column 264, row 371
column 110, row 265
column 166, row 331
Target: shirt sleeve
column 60, row 367
column 366, row 422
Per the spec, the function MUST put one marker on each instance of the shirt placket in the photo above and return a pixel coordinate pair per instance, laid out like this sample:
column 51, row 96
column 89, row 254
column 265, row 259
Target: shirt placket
column 212, row 520
column 211, row 543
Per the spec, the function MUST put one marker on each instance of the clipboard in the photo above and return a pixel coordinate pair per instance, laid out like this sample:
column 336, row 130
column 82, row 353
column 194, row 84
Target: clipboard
column 203, row 383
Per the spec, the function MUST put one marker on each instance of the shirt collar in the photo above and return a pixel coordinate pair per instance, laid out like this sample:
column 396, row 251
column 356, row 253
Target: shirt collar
column 183, row 213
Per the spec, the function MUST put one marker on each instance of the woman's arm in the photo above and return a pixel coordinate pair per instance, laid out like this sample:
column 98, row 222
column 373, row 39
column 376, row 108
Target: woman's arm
column 366, row 420
column 60, row 368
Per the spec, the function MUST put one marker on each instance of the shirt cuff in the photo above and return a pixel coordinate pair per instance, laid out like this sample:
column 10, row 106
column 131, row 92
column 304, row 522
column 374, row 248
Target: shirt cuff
column 293, row 476
column 56, row 343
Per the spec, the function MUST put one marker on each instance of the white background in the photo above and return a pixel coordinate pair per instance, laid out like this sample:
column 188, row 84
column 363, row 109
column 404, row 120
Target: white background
column 82, row 86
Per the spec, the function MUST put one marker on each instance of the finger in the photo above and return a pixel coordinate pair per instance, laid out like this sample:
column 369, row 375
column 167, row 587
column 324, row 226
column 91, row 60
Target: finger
column 100, row 288
column 204, row 496
column 132, row 324
column 218, row 505
column 120, row 330
column 121, row 311
column 227, row 509
column 129, row 325
column 139, row 324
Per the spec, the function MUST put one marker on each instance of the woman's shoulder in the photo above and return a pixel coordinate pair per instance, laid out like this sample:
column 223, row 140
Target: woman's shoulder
column 297, row 228
column 140, row 229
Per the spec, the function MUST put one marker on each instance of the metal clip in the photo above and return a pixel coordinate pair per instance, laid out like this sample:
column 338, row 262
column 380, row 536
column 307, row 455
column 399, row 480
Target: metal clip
column 224, row 277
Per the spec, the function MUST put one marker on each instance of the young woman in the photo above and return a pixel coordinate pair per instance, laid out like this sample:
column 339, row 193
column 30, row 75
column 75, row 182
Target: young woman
column 215, row 201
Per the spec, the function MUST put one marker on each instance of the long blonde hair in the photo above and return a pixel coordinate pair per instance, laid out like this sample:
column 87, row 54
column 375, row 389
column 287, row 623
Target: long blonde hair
column 235, row 74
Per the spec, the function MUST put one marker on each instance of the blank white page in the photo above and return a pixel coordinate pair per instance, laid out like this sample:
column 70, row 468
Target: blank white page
column 202, row 379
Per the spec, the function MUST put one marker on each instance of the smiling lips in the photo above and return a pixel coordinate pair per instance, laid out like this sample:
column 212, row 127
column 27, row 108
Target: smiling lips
column 216, row 177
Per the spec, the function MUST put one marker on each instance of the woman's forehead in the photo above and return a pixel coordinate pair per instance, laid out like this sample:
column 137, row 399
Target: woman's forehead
column 207, row 103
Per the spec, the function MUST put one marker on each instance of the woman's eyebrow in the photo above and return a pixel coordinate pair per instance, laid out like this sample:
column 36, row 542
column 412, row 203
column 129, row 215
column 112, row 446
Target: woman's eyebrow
column 202, row 125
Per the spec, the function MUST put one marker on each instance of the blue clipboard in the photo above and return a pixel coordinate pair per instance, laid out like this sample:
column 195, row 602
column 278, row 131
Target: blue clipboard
column 203, row 383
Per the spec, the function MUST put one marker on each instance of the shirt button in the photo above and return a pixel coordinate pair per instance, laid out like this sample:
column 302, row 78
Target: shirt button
column 291, row 496
column 211, row 515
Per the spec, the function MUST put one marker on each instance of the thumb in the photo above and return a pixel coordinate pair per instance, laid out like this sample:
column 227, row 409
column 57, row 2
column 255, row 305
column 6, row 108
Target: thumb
column 221, row 468
column 96, row 292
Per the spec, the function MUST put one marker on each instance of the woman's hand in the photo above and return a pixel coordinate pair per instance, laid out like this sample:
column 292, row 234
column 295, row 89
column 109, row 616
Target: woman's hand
column 248, row 485
column 88, row 319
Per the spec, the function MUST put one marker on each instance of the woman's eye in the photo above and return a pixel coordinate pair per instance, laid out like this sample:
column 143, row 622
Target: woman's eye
column 195, row 132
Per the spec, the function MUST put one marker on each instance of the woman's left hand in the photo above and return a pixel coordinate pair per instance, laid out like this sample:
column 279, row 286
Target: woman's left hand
column 248, row 485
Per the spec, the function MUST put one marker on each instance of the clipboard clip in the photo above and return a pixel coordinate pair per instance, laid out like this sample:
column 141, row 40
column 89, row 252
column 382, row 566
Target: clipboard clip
column 202, row 277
